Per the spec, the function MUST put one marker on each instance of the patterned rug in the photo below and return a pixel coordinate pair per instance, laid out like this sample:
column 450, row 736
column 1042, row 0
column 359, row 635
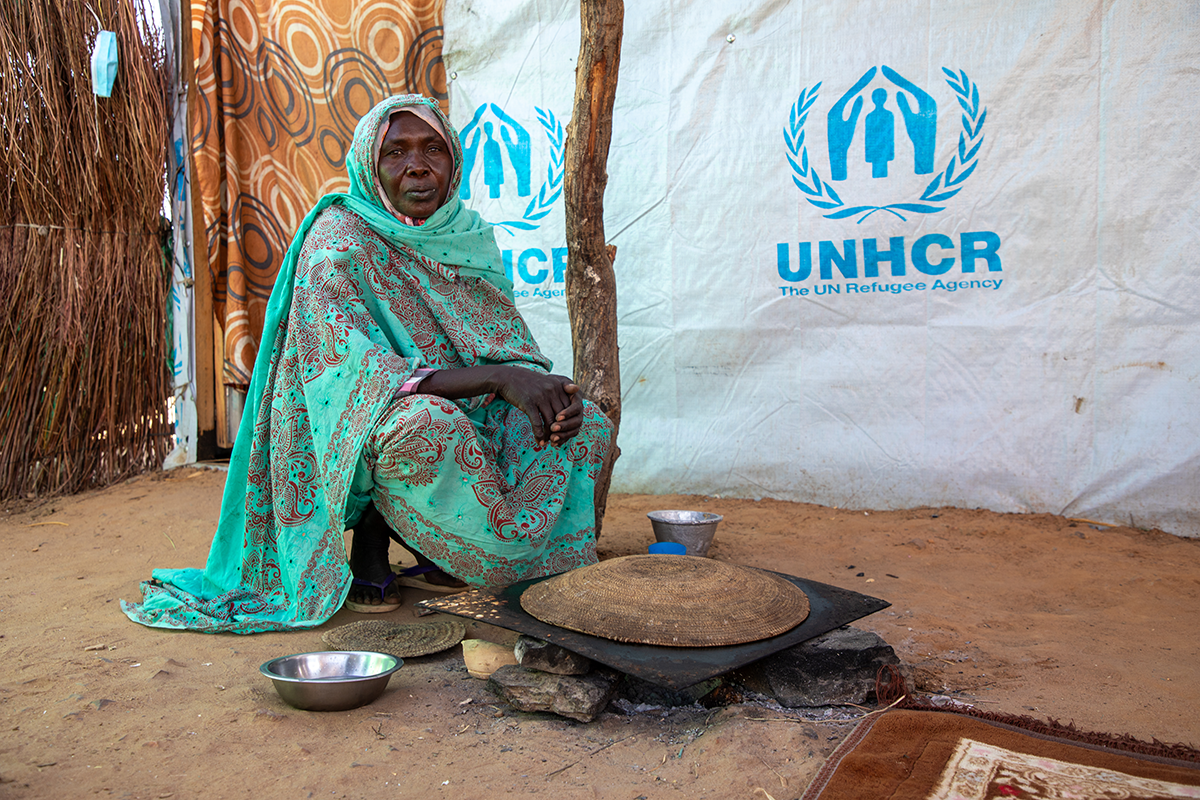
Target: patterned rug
column 935, row 755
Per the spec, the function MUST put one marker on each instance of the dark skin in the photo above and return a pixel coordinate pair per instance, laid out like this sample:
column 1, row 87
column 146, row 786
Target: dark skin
column 551, row 402
column 415, row 166
column 415, row 169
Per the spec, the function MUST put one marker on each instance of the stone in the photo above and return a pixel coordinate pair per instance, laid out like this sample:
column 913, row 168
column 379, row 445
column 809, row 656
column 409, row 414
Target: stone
column 536, row 654
column 579, row 698
column 836, row 668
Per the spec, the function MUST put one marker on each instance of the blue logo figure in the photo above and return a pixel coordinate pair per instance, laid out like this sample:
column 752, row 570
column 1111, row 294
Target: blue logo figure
column 840, row 130
column 879, row 139
column 920, row 124
column 501, row 135
column 881, row 135
column 493, row 166
column 516, row 143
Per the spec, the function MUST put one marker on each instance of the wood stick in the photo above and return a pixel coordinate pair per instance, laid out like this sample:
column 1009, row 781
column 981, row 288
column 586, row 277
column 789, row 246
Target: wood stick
column 591, row 285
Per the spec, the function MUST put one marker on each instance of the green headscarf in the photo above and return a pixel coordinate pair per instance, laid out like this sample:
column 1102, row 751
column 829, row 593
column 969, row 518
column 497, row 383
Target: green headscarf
column 455, row 235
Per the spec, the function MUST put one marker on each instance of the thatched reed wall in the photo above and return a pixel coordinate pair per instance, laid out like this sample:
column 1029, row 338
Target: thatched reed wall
column 83, row 286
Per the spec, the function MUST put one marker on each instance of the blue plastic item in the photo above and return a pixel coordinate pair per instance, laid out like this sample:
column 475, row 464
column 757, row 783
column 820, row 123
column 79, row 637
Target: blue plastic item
column 104, row 63
column 668, row 548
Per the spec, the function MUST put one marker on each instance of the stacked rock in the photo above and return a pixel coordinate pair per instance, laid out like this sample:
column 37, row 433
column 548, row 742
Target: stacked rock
column 547, row 677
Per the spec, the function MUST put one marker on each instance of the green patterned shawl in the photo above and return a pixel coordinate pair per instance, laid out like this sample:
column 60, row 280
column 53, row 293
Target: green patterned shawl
column 264, row 574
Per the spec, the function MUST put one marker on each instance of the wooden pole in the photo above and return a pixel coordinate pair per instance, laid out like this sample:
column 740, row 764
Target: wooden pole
column 591, row 285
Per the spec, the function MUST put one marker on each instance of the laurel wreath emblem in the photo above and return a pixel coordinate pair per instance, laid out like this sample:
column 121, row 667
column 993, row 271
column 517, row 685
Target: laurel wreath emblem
column 946, row 185
column 540, row 205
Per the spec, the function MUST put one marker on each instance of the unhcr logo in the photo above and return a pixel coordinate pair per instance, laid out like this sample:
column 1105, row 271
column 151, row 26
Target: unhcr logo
column 873, row 150
column 498, row 167
column 861, row 143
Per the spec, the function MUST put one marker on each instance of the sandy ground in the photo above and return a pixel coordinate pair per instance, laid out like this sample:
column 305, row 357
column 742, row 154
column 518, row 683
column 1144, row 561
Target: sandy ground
column 1019, row 613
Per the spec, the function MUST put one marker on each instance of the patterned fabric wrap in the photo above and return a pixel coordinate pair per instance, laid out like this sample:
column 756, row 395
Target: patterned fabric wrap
column 359, row 307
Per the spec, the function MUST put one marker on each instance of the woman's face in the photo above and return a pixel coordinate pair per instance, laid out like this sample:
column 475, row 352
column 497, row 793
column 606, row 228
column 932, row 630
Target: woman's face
column 415, row 166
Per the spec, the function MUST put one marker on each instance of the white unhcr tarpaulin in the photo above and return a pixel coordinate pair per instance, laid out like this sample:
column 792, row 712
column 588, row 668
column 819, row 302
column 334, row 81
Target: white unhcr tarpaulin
column 874, row 254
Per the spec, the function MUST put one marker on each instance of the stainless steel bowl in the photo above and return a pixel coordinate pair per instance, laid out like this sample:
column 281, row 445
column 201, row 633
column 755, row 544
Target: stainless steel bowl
column 692, row 529
column 331, row 680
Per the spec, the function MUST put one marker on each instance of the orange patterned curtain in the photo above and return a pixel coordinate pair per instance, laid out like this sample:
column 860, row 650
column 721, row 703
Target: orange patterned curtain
column 280, row 87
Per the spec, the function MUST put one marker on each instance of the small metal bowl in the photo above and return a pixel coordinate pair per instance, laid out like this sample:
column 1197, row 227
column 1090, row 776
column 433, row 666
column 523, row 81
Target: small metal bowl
column 331, row 680
column 692, row 529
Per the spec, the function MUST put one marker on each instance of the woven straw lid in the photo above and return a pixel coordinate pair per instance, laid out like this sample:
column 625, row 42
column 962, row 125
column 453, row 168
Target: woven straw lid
column 402, row 641
column 679, row 601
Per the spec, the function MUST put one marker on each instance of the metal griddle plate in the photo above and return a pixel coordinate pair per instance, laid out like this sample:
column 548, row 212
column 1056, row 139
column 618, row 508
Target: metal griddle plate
column 671, row 667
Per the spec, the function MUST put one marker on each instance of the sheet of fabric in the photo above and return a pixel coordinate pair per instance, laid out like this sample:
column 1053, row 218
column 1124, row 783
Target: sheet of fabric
column 362, row 302
column 280, row 87
column 874, row 254
column 179, row 190
column 928, row 755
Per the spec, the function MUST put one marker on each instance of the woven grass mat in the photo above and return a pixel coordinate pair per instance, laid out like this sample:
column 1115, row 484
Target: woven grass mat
column 918, row 754
column 670, row 601
column 401, row 640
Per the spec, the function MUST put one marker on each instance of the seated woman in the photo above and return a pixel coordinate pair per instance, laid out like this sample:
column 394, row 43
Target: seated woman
column 397, row 389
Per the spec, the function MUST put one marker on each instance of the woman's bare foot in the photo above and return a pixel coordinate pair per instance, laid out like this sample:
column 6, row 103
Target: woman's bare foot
column 369, row 561
column 436, row 576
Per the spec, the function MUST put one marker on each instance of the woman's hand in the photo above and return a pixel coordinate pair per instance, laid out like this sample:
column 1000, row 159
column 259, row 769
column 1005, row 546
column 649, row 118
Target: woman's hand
column 551, row 402
column 568, row 421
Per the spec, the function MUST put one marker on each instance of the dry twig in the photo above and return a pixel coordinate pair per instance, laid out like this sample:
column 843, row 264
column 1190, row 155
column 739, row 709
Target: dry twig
column 782, row 779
